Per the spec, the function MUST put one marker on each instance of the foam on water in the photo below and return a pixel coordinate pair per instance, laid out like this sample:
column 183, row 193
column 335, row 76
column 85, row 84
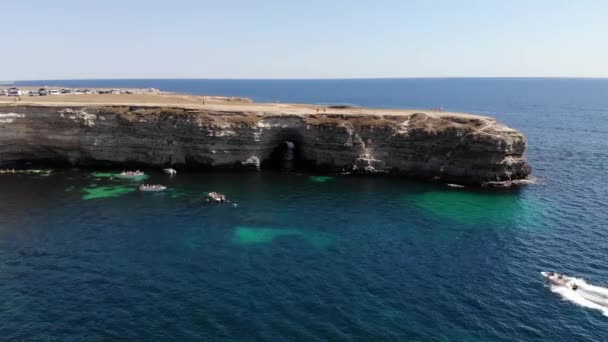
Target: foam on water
column 581, row 295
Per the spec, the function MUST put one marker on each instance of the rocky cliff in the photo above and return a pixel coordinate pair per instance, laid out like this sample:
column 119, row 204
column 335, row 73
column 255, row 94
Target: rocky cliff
column 453, row 148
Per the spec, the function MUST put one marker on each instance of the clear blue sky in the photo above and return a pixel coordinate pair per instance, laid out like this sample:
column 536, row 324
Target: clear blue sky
column 64, row 39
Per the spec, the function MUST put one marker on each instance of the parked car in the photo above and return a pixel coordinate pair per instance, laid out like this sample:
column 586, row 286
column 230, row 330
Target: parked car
column 32, row 93
column 14, row 91
column 3, row 92
column 54, row 92
column 43, row 92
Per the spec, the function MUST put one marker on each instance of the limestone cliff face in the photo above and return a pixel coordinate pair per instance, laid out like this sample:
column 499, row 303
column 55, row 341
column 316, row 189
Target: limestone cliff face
column 453, row 148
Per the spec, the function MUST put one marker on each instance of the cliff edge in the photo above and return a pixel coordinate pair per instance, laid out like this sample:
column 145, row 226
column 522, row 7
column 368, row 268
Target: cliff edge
column 450, row 147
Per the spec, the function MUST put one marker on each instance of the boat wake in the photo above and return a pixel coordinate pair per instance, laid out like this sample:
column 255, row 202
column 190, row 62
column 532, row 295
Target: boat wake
column 586, row 295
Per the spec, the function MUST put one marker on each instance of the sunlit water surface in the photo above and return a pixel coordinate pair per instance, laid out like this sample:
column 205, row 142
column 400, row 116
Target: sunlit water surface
column 85, row 255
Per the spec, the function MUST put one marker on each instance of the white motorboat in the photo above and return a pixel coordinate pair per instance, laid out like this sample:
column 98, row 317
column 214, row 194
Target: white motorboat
column 170, row 171
column 595, row 294
column 556, row 278
column 152, row 188
column 131, row 174
column 217, row 197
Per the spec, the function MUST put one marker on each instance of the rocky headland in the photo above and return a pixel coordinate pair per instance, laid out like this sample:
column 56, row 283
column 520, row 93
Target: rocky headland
column 229, row 134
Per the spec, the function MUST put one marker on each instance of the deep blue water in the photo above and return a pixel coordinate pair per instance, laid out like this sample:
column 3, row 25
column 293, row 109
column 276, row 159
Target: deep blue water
column 85, row 257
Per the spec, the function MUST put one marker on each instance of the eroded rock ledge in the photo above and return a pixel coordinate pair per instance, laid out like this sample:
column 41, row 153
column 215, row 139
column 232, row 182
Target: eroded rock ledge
column 456, row 148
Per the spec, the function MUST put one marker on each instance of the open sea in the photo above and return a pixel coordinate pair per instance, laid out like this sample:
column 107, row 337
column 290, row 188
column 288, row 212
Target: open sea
column 85, row 256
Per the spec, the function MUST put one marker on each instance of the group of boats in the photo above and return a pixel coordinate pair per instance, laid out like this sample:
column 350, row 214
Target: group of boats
column 138, row 173
column 147, row 187
column 215, row 197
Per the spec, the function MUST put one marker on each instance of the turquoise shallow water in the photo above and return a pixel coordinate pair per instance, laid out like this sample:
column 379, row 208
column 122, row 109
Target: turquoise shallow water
column 85, row 256
column 355, row 258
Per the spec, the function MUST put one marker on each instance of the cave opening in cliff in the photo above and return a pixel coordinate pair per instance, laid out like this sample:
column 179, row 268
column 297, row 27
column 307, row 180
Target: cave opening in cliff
column 285, row 157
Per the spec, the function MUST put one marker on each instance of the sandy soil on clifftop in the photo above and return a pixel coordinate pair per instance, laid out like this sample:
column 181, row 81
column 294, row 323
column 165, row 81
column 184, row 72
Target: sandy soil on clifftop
column 214, row 103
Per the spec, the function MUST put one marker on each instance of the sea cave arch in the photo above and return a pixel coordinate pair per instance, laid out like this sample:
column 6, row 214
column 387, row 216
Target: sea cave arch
column 287, row 152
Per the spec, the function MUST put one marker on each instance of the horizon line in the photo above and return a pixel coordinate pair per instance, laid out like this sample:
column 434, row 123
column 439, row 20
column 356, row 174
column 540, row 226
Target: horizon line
column 305, row 79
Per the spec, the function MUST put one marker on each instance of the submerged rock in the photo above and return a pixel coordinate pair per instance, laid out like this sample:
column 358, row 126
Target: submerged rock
column 452, row 148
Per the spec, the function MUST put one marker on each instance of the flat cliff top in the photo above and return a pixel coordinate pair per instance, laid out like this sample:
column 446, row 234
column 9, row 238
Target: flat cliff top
column 237, row 105
column 213, row 103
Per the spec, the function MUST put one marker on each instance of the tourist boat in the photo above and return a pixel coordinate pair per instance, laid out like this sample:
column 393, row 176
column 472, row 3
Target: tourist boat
column 10, row 171
column 217, row 197
column 131, row 174
column 556, row 278
column 170, row 171
column 153, row 188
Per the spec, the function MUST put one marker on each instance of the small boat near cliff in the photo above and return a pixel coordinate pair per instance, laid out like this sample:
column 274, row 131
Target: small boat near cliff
column 216, row 197
column 29, row 171
column 152, row 187
column 9, row 171
column 131, row 174
column 170, row 171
